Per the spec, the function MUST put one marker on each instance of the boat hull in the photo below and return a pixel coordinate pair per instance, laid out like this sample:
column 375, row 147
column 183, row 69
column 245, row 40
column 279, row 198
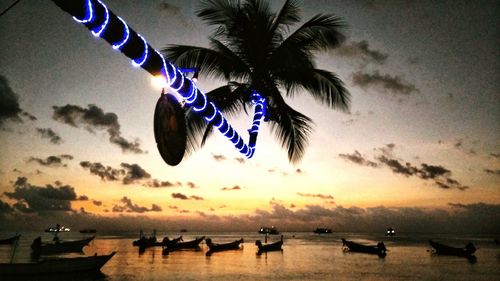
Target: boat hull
column 56, row 266
column 235, row 245
column 62, row 247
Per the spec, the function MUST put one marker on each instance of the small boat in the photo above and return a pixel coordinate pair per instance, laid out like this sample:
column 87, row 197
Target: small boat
column 55, row 266
column 441, row 249
column 59, row 246
column 269, row 230
column 144, row 241
column 214, row 247
column 323, row 231
column 88, row 230
column 57, row 228
column 390, row 232
column 193, row 244
column 351, row 246
column 10, row 240
column 264, row 248
column 143, row 244
column 184, row 230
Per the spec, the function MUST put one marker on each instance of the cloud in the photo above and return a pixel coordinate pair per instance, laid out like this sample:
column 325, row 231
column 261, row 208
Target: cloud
column 495, row 155
column 97, row 202
column 128, row 173
column 240, row 160
column 52, row 161
column 128, row 206
column 93, row 118
column 106, row 173
column 236, row 187
column 32, row 198
column 393, row 84
column 321, row 196
column 219, row 157
column 493, row 172
column 357, row 158
column 185, row 197
column 191, row 185
column 48, row 133
column 5, row 208
column 158, row 183
column 439, row 174
column 362, row 51
column 9, row 104
column 134, row 173
column 480, row 217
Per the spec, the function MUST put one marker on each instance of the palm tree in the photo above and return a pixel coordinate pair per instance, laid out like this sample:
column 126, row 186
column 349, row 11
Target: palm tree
column 253, row 47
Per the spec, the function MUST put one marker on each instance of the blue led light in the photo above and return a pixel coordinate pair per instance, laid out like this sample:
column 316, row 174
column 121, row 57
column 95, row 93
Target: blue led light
column 209, row 119
column 97, row 32
column 118, row 45
column 89, row 16
column 182, row 82
column 194, row 94
column 227, row 130
column 204, row 104
column 140, row 61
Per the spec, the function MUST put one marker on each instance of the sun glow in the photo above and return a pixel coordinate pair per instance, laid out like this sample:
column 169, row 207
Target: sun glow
column 159, row 82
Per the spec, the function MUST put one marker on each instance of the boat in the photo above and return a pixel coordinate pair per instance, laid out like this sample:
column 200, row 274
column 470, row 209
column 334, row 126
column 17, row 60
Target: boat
column 441, row 249
column 216, row 247
column 55, row 266
column 145, row 243
column 390, row 232
column 268, row 230
column 143, row 240
column 184, row 230
column 57, row 228
column 10, row 240
column 351, row 246
column 323, row 231
column 193, row 244
column 59, row 246
column 264, row 248
column 88, row 230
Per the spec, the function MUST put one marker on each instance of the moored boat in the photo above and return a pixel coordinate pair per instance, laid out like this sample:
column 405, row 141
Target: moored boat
column 10, row 240
column 441, row 249
column 322, row 231
column 88, row 230
column 390, row 232
column 193, row 244
column 264, row 248
column 351, row 246
column 55, row 266
column 59, row 246
column 269, row 230
column 218, row 247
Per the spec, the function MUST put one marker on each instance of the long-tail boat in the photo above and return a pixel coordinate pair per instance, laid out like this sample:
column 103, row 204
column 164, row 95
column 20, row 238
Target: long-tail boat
column 378, row 249
column 218, row 247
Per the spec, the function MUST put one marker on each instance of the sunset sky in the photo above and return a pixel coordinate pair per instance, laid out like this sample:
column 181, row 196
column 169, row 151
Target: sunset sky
column 422, row 138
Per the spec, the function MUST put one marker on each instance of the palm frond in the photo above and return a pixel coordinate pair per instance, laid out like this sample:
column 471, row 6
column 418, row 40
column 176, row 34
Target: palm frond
column 289, row 14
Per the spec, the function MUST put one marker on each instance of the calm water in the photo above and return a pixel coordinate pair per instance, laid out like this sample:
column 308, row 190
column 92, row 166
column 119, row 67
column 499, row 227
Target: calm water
column 305, row 256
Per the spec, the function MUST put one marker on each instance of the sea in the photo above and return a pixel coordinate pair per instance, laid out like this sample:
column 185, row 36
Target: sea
column 305, row 256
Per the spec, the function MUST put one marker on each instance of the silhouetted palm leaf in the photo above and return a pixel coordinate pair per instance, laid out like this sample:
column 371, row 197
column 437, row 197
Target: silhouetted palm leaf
column 250, row 48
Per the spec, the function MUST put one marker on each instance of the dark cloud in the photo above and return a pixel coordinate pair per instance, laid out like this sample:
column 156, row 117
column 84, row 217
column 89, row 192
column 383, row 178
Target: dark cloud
column 240, row 160
column 299, row 171
column 458, row 144
column 48, row 133
column 134, row 173
column 106, row 173
column 321, row 196
column 32, row 198
column 173, row 207
column 128, row 173
column 5, row 208
column 495, row 155
column 185, row 197
column 97, row 202
column 439, row 174
column 83, row 198
column 236, row 187
column 493, row 172
column 394, row 84
column 191, row 185
column 219, row 157
column 128, row 206
column 52, row 161
column 158, row 183
column 387, row 150
column 9, row 103
column 93, row 118
column 357, row 158
column 362, row 51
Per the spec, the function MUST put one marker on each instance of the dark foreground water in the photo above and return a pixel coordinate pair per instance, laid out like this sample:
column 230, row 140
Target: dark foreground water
column 305, row 256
